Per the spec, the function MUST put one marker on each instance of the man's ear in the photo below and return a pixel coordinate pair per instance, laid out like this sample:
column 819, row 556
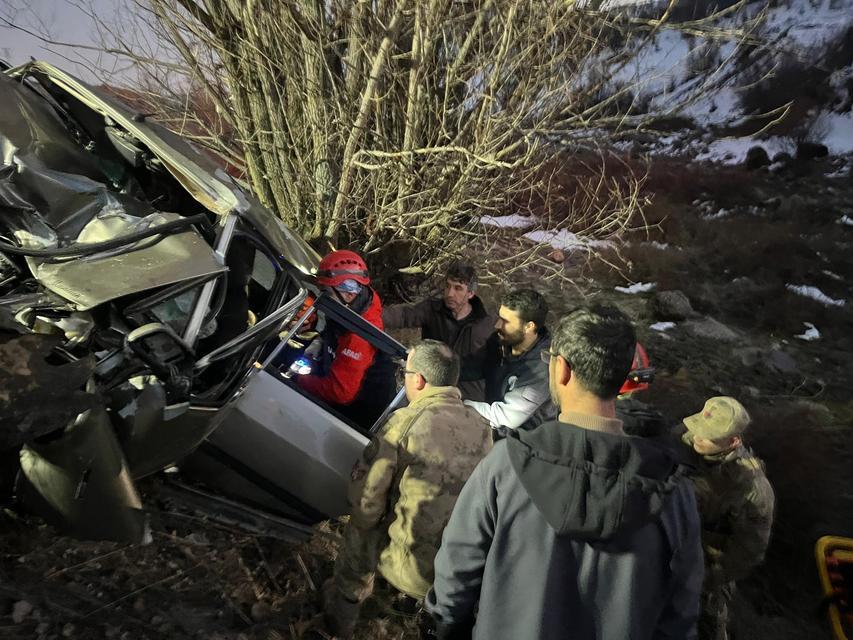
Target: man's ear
column 470, row 294
column 530, row 327
column 736, row 442
column 421, row 382
column 562, row 371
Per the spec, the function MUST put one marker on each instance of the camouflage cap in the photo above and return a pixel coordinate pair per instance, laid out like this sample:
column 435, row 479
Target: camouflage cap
column 722, row 417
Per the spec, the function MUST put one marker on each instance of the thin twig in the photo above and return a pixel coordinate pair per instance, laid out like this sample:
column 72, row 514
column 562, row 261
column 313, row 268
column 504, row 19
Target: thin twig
column 85, row 562
column 305, row 571
column 165, row 580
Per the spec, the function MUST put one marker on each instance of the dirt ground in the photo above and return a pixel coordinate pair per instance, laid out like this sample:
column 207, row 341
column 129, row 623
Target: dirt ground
column 200, row 579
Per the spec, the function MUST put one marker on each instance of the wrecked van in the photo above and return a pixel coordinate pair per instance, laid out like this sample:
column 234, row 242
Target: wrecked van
column 150, row 314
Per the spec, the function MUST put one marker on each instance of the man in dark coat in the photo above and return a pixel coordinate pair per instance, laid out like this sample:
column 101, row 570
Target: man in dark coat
column 573, row 529
column 458, row 319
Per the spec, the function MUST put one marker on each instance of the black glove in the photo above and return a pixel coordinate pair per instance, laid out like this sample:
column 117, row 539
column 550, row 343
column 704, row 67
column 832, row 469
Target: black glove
column 431, row 629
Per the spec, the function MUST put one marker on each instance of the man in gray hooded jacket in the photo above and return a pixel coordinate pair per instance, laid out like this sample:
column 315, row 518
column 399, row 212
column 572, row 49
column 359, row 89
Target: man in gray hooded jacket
column 573, row 529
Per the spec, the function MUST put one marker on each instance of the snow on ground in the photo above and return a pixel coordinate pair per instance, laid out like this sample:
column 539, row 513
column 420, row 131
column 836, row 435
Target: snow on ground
column 662, row 326
column 722, row 213
column 832, row 275
column 638, row 287
column 668, row 72
column 846, row 220
column 815, row 294
column 516, row 221
column 566, row 240
column 805, row 23
column 660, row 246
column 811, row 333
column 733, row 150
column 839, row 135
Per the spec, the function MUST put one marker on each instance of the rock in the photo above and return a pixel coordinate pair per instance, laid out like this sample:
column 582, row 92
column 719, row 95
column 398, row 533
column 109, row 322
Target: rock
column 792, row 206
column 20, row 610
column 781, row 362
column 672, row 305
column 820, row 412
column 811, row 150
column 261, row 611
column 139, row 604
column 752, row 392
column 42, row 627
column 711, row 329
column 756, row 158
column 773, row 203
column 776, row 361
column 750, row 357
column 68, row 630
column 782, row 158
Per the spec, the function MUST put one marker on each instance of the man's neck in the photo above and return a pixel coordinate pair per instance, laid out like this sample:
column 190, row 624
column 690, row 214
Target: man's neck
column 463, row 312
column 525, row 345
column 587, row 405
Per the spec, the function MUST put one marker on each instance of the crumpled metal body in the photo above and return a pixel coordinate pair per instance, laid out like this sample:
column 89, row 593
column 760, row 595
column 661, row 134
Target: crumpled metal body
column 78, row 167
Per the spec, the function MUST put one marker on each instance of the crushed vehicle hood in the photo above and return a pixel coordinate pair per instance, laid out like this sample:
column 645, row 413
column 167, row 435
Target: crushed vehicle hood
column 200, row 175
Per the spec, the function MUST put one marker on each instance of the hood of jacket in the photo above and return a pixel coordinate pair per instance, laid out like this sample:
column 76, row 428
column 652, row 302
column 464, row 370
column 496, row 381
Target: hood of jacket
column 591, row 485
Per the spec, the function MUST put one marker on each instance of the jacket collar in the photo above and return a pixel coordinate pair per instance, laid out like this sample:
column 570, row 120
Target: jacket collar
column 593, row 423
column 532, row 353
column 433, row 392
column 478, row 310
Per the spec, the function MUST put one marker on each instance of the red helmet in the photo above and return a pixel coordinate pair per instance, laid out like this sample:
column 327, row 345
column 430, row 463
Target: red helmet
column 641, row 373
column 342, row 265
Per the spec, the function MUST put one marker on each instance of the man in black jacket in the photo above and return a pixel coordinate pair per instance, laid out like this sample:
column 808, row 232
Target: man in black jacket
column 573, row 529
column 516, row 379
column 458, row 319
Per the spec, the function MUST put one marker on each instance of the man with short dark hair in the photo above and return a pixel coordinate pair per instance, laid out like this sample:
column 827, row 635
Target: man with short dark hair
column 458, row 319
column 736, row 505
column 516, row 380
column 404, row 487
column 573, row 529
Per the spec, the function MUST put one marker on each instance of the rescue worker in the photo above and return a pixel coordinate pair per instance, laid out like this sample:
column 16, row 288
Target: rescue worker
column 404, row 487
column 353, row 377
column 639, row 418
column 573, row 529
column 516, row 378
column 458, row 319
column 735, row 504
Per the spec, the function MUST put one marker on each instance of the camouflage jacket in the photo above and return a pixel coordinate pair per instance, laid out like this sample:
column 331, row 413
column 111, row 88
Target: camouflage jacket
column 409, row 477
column 736, row 506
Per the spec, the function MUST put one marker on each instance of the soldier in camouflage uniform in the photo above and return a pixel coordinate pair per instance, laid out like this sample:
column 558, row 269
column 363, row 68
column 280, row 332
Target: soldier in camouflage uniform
column 404, row 487
column 735, row 503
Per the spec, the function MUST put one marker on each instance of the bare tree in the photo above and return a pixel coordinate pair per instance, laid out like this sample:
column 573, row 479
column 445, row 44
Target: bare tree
column 402, row 122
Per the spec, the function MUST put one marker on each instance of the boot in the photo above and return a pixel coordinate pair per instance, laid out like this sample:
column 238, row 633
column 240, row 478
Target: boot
column 339, row 614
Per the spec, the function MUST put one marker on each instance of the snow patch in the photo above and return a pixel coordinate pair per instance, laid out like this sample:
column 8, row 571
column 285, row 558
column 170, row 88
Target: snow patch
column 566, row 240
column 515, row 221
column 662, row 326
column 660, row 246
column 846, row 220
column 638, row 287
column 815, row 294
column 832, row 275
column 722, row 213
column 734, row 150
column 811, row 333
column 839, row 136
